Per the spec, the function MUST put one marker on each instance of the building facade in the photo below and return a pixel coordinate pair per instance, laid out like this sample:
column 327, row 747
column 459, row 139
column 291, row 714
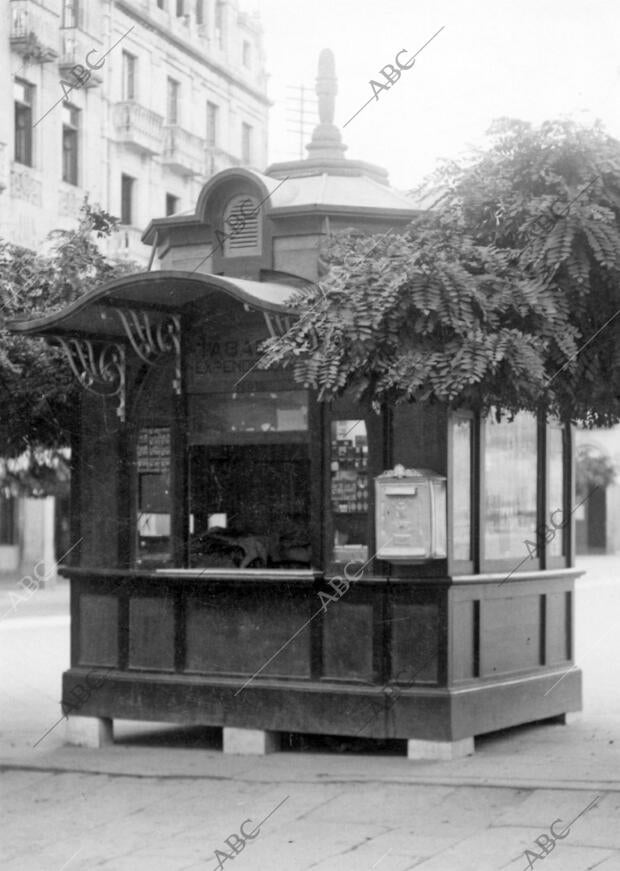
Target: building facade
column 133, row 102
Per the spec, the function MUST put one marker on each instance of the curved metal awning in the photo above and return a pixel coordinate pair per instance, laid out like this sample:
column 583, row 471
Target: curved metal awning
column 141, row 313
column 160, row 293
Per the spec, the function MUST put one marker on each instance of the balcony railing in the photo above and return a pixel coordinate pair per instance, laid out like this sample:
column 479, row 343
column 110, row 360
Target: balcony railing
column 34, row 31
column 74, row 46
column 184, row 152
column 138, row 128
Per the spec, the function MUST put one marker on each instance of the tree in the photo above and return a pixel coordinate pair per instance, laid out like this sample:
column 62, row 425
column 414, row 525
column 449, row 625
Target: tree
column 37, row 390
column 505, row 294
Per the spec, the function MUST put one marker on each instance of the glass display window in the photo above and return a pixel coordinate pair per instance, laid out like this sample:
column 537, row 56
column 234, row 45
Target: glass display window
column 462, row 435
column 509, row 510
column 349, row 490
column 556, row 503
column 154, row 497
column 249, row 480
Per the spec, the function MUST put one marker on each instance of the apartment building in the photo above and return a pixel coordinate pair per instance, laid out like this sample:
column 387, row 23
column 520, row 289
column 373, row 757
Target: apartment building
column 135, row 102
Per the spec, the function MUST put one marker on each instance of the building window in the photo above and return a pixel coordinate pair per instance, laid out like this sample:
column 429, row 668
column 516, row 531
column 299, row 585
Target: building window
column 172, row 104
column 127, row 183
column 24, row 99
column 172, row 204
column 129, row 76
column 70, row 132
column 219, row 24
column 212, row 136
column 246, row 143
column 70, row 13
column 200, row 12
column 510, row 486
column 247, row 54
column 161, row 4
column 180, row 8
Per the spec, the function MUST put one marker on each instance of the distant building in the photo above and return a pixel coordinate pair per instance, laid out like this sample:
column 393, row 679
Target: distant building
column 178, row 98
column 135, row 102
column 598, row 517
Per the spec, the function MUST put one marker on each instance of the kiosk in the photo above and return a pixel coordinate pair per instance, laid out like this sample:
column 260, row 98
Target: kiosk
column 254, row 559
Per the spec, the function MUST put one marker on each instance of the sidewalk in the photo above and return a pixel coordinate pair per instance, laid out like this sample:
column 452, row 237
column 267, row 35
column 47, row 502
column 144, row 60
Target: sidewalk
column 164, row 799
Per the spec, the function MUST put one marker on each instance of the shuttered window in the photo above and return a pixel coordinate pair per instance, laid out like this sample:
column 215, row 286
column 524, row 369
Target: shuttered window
column 242, row 226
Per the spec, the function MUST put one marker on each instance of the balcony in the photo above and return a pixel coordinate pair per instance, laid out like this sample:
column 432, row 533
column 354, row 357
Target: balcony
column 184, row 153
column 138, row 128
column 74, row 46
column 34, row 31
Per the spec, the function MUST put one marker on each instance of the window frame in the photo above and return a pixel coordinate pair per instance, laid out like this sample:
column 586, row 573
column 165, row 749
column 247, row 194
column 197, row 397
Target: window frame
column 25, row 136
column 459, row 565
column 562, row 560
column 518, row 563
column 246, row 143
column 129, row 78
column 71, row 129
column 173, row 90
column 71, row 14
column 169, row 199
column 127, row 197
column 212, row 129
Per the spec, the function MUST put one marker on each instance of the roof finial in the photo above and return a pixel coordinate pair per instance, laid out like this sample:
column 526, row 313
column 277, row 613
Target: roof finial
column 326, row 138
column 326, row 86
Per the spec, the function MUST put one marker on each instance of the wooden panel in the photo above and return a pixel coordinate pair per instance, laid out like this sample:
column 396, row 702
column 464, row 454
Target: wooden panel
column 557, row 620
column 238, row 635
column 99, row 496
column 98, row 621
column 347, row 641
column 463, row 652
column 415, row 642
column 151, row 633
column 510, row 635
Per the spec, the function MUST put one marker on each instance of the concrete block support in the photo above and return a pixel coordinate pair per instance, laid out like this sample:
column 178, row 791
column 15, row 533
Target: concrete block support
column 419, row 749
column 251, row 742
column 94, row 732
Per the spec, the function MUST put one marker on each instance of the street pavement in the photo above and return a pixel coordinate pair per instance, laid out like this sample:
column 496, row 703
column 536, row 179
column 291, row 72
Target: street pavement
column 167, row 799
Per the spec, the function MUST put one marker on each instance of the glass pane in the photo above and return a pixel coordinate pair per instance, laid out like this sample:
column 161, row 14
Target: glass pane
column 220, row 418
column 555, row 507
column 250, row 505
column 510, row 486
column 461, row 484
column 349, row 490
column 154, row 501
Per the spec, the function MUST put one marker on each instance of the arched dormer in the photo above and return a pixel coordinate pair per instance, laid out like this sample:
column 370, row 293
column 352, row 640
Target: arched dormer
column 235, row 209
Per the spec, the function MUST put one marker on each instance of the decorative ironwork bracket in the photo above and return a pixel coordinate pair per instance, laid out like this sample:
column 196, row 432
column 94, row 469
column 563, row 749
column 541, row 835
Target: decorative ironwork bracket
column 150, row 340
column 98, row 367
column 277, row 325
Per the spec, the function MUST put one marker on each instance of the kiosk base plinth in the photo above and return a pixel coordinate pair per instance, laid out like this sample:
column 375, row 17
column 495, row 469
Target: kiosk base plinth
column 420, row 749
column 569, row 718
column 92, row 732
column 250, row 742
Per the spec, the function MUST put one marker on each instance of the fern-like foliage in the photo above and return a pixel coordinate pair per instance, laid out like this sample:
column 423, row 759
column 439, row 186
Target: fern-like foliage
column 506, row 294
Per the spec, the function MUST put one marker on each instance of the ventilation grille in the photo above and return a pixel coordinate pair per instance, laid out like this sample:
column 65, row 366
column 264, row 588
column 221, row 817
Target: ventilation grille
column 242, row 227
